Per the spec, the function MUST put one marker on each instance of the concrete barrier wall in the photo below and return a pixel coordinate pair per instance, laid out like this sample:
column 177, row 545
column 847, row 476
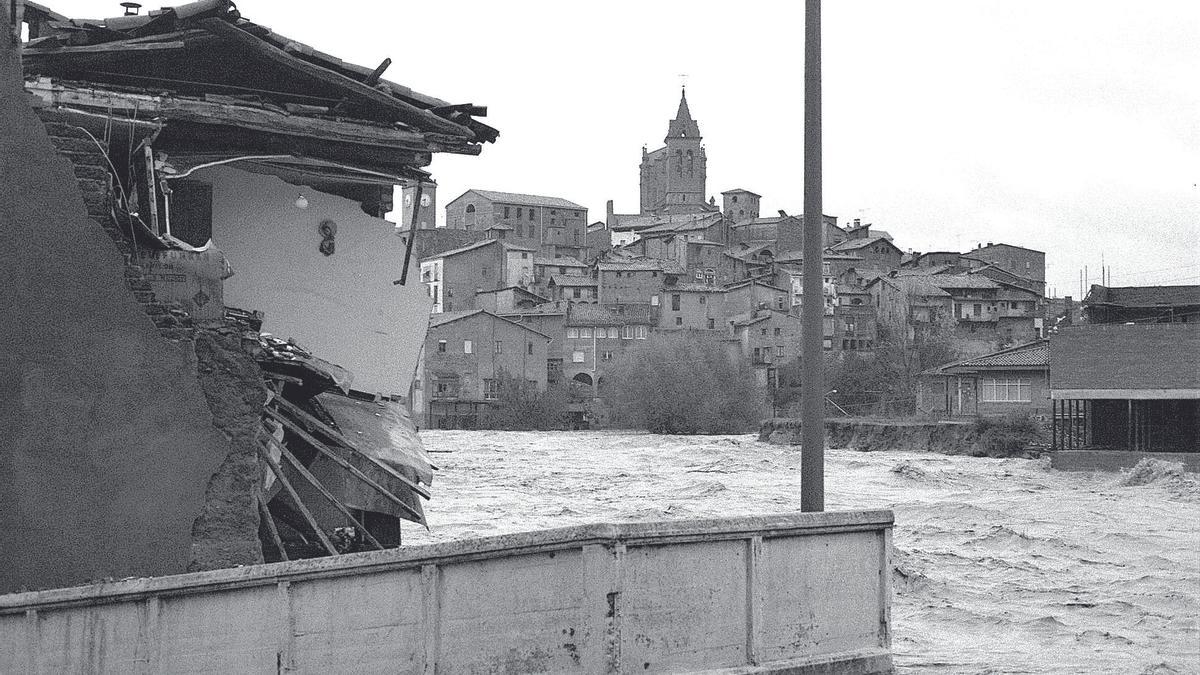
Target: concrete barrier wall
column 788, row 593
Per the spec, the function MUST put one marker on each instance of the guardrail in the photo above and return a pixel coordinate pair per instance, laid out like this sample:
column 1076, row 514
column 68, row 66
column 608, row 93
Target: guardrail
column 783, row 593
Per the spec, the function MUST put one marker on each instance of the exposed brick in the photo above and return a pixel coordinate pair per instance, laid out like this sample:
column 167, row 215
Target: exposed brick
column 98, row 187
column 91, row 172
column 82, row 144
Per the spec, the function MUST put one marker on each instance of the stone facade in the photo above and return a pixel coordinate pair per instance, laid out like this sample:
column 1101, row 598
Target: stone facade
column 674, row 177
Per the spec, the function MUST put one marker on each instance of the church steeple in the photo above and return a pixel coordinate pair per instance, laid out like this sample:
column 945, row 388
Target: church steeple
column 683, row 126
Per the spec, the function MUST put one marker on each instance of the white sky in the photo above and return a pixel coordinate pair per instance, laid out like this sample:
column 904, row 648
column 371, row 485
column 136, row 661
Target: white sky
column 1072, row 127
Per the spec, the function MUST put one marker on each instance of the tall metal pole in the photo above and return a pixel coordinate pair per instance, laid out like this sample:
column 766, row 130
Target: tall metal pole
column 812, row 419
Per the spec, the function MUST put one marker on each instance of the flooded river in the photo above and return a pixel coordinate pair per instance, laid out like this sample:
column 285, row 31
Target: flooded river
column 1002, row 566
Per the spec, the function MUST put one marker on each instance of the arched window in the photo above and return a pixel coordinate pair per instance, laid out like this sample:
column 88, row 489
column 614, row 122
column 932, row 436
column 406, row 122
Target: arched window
column 470, row 219
column 691, row 165
column 679, row 162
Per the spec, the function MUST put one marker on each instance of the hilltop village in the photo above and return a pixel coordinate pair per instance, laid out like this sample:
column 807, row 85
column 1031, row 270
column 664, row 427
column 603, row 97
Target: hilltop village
column 531, row 287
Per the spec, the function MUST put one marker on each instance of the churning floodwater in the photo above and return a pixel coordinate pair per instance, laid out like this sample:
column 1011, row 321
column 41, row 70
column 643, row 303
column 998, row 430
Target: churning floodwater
column 1001, row 565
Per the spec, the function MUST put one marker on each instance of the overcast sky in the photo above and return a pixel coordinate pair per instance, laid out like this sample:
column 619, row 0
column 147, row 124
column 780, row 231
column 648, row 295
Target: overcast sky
column 1072, row 127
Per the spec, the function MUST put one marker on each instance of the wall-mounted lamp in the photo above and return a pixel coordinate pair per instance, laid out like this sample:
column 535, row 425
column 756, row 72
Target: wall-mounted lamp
column 301, row 201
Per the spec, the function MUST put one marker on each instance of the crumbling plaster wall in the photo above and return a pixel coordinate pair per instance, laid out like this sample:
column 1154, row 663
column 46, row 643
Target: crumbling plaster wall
column 343, row 307
column 107, row 445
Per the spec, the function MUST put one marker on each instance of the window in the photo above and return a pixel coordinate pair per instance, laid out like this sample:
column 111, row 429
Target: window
column 531, row 213
column 606, row 356
column 612, row 333
column 654, row 301
column 712, row 323
column 585, row 332
column 779, row 351
column 976, row 309
column 679, row 321
column 764, row 331
column 577, row 292
column 627, row 333
column 1000, row 389
column 506, row 212
column 499, row 347
column 576, row 214
column 828, row 343
column 703, row 299
column 572, row 332
column 525, row 256
column 441, row 346
column 577, row 356
column 757, row 355
column 553, row 212
column 468, row 347
column 529, row 348
column 675, row 302
column 778, row 331
column 779, row 302
column 845, row 345
column 491, row 389
column 518, row 213
column 639, row 332
column 520, row 230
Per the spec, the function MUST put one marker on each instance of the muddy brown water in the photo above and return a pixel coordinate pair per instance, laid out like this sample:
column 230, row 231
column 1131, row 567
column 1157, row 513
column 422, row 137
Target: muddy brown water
column 1002, row 565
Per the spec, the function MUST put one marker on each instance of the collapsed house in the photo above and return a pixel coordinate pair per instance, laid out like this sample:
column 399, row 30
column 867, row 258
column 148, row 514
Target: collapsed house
column 243, row 177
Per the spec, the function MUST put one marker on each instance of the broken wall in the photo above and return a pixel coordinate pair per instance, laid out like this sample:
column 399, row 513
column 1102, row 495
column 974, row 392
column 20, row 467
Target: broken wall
column 334, row 294
column 106, row 442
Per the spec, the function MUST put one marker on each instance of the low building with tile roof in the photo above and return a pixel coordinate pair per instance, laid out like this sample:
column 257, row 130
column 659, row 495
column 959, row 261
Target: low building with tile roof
column 1015, row 380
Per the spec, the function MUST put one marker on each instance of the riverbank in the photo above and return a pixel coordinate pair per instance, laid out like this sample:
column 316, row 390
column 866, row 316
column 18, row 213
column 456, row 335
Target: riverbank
column 1017, row 437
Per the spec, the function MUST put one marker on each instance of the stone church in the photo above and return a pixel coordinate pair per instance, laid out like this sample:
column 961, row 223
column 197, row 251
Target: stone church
column 673, row 177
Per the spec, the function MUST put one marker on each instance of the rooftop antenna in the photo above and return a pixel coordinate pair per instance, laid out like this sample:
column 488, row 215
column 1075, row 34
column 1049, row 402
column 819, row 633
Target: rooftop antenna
column 683, row 81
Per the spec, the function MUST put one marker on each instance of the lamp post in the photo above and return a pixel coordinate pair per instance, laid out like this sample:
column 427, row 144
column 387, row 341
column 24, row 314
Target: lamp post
column 812, row 418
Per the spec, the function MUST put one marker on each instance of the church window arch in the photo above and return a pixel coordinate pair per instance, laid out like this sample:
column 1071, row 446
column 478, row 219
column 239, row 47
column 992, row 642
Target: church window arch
column 679, row 162
column 470, row 218
column 691, row 164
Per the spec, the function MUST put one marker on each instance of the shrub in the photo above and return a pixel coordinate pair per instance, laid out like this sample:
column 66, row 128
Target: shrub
column 1006, row 436
column 682, row 384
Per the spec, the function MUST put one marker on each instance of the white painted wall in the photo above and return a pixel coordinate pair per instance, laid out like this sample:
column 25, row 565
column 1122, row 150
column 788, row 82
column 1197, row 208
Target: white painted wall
column 344, row 307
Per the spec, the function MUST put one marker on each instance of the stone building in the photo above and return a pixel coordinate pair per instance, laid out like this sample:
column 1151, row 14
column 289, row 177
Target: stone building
column 1010, row 381
column 455, row 277
column 552, row 225
column 674, row 177
column 466, row 355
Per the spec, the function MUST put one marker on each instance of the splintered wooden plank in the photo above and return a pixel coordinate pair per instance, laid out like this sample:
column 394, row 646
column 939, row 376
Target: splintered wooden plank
column 287, row 485
column 341, row 440
column 402, row 110
column 312, row 480
column 343, row 462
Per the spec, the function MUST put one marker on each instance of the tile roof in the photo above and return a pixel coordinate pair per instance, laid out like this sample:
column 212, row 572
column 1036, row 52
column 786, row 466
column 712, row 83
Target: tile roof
column 1034, row 354
column 572, row 280
column 693, row 288
column 479, row 244
column 443, row 318
column 855, row 244
column 565, row 261
column 640, row 264
column 447, row 317
column 526, row 200
column 631, row 221
column 741, row 190
column 461, row 249
column 1144, row 296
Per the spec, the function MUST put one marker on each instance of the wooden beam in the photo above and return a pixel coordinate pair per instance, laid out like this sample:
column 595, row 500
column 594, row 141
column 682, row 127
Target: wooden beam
column 265, row 514
column 287, row 485
column 308, row 476
column 336, row 437
column 344, row 463
column 405, row 112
